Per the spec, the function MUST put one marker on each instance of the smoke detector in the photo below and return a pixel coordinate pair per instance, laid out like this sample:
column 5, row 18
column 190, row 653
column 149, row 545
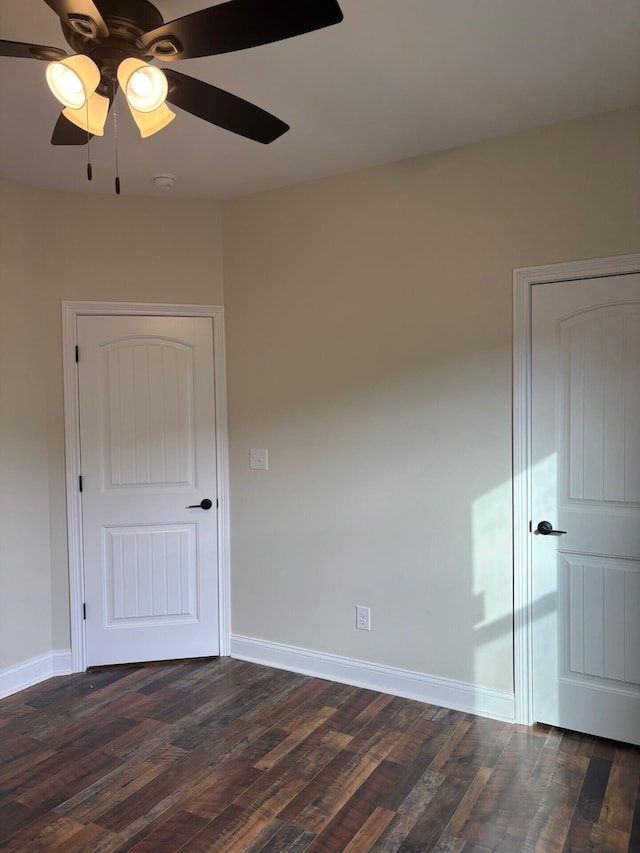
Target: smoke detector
column 164, row 182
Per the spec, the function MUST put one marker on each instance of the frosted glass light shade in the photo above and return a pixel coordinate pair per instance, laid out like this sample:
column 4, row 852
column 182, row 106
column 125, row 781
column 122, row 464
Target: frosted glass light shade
column 92, row 116
column 145, row 86
column 73, row 79
column 150, row 123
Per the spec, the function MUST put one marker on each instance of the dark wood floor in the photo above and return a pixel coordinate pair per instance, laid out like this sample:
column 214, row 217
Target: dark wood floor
column 227, row 756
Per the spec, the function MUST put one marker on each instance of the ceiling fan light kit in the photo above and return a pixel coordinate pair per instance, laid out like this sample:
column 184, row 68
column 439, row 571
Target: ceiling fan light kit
column 114, row 42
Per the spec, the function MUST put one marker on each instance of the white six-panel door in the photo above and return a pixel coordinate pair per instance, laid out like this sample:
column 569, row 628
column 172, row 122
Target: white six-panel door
column 147, row 437
column 586, row 484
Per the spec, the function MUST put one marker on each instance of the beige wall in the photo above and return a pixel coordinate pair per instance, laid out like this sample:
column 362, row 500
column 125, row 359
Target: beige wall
column 54, row 247
column 369, row 334
column 369, row 349
column 25, row 559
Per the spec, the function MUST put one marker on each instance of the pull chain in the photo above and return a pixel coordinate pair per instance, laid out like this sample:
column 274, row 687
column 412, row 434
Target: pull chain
column 89, row 166
column 115, row 133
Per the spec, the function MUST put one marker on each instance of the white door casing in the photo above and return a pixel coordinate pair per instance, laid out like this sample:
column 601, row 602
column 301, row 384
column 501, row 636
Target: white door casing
column 524, row 282
column 586, row 484
column 122, row 541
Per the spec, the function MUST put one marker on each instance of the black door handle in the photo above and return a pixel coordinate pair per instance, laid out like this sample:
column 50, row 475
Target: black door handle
column 205, row 503
column 545, row 528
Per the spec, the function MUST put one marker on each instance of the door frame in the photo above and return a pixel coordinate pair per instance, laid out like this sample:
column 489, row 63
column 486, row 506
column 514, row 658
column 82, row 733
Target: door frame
column 70, row 312
column 523, row 281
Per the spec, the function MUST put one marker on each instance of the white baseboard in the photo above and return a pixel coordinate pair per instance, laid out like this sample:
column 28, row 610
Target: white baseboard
column 33, row 671
column 445, row 692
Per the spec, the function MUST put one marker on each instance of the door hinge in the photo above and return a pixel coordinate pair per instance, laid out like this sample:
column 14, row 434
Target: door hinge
column 77, row 355
column 84, row 611
column 80, row 482
column 217, row 504
column 530, row 527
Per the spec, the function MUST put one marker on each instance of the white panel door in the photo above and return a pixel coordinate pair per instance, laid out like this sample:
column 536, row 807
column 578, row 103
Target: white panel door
column 148, row 454
column 586, row 481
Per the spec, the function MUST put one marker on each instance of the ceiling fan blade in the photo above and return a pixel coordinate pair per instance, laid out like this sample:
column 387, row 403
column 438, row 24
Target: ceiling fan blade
column 223, row 109
column 79, row 15
column 31, row 51
column 239, row 24
column 67, row 133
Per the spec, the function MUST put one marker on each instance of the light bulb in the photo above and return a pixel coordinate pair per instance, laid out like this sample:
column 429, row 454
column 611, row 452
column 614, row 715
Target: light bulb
column 140, row 84
column 145, row 86
column 70, row 82
column 73, row 79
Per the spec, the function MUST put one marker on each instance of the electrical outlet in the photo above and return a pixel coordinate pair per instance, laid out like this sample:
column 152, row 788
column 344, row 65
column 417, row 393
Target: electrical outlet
column 363, row 618
column 259, row 458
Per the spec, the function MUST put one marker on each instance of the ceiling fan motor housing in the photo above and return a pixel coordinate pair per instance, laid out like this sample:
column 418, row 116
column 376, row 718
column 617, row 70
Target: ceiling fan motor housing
column 126, row 20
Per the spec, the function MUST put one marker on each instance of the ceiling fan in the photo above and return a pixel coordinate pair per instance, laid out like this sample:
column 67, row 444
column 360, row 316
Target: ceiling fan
column 114, row 42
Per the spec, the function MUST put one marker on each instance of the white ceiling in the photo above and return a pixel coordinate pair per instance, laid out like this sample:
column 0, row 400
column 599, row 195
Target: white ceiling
column 396, row 79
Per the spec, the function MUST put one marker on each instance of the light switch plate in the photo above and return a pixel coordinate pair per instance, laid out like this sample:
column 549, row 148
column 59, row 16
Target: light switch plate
column 259, row 458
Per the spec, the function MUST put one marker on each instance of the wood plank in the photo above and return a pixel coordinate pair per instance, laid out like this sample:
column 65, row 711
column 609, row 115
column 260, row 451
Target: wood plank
column 88, row 805
column 634, row 837
column 46, row 833
column 77, row 737
column 423, row 815
column 320, row 748
column 449, row 844
column 576, row 743
column 431, row 824
column 75, row 774
column 353, row 707
column 179, row 829
column 502, row 800
column 370, row 714
column 223, row 785
column 14, row 816
column 450, row 745
column 339, row 780
column 525, row 806
column 550, row 825
column 299, row 732
column 589, row 805
column 212, row 831
column 463, row 812
column 249, row 823
column 358, row 810
column 302, row 698
column 394, row 719
column 417, row 802
column 604, row 839
column 26, row 753
column 172, row 787
column 279, row 837
column 472, row 750
column 370, row 830
column 620, row 796
column 87, row 838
